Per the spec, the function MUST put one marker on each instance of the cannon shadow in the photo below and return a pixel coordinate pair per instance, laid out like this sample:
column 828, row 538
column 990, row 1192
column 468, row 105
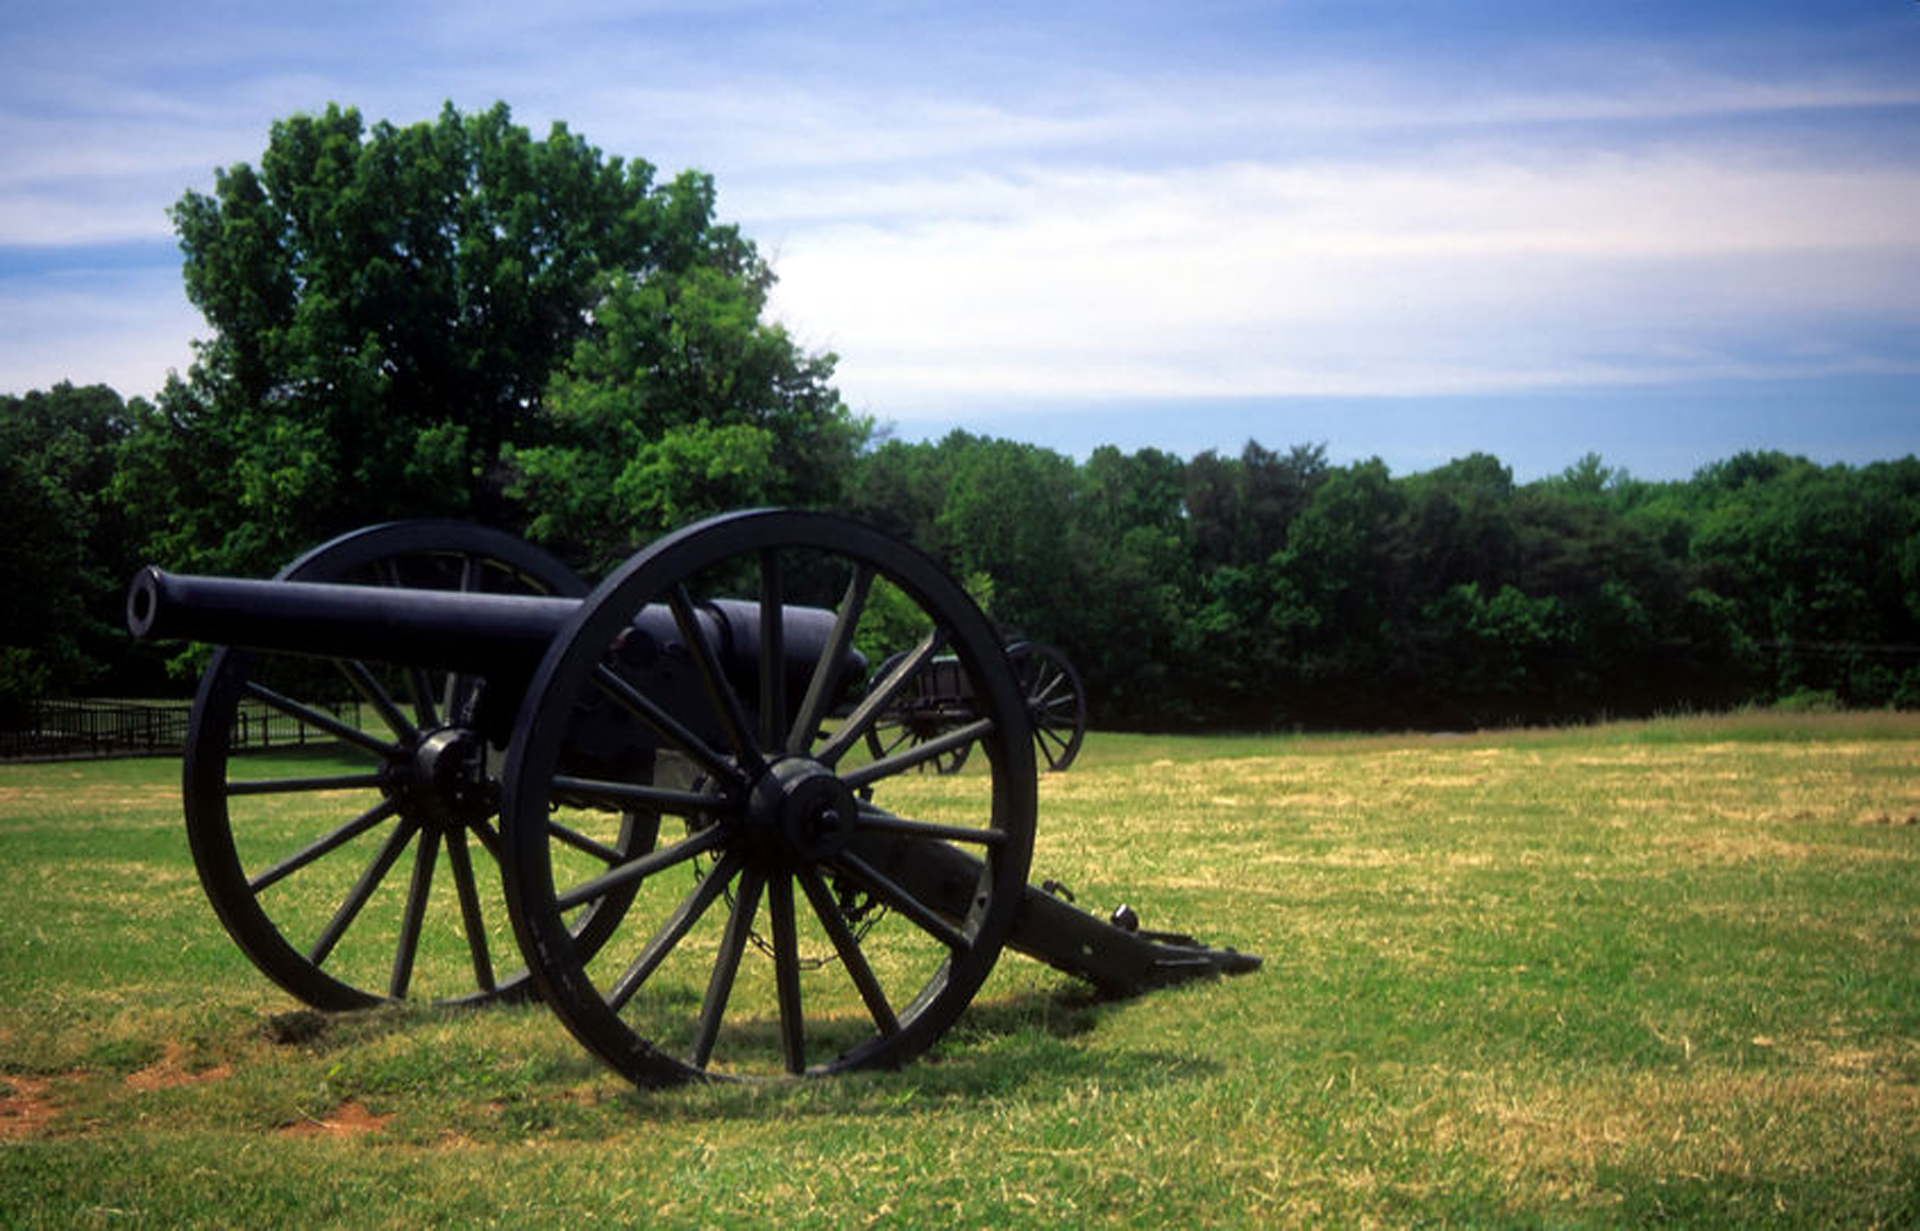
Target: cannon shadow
column 1002, row 1046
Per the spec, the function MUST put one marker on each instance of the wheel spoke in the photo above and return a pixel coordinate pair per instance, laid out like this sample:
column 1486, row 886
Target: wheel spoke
column 424, row 707
column 626, row 795
column 377, row 696
column 848, row 947
column 362, row 890
column 470, row 916
column 786, row 972
column 887, row 822
column 417, row 683
column 457, row 693
column 772, row 650
column 713, row 1008
column 408, row 947
column 665, row 725
column 824, row 685
column 639, row 869
column 713, row 679
column 317, row 718
column 888, row 737
column 876, row 702
column 571, row 837
column 671, row 932
column 919, row 754
column 276, row 786
column 331, row 842
column 490, row 841
column 880, row 884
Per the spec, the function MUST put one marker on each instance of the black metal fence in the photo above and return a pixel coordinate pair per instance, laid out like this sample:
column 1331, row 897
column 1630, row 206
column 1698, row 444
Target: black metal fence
column 87, row 728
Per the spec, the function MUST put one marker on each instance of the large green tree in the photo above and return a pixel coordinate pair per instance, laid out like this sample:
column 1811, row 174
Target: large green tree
column 390, row 307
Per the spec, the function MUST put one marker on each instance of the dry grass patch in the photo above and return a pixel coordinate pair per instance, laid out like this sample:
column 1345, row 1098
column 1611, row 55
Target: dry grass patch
column 174, row 1070
column 1573, row 1137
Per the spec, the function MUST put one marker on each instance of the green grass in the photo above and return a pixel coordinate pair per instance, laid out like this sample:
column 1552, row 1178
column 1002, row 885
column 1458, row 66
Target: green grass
column 1624, row 974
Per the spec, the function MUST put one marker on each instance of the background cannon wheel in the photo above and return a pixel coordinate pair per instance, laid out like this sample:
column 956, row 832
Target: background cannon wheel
column 1055, row 699
column 362, row 864
column 939, row 699
column 772, row 930
column 919, row 713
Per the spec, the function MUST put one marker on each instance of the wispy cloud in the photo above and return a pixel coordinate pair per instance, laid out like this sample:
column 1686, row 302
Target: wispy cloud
column 1271, row 279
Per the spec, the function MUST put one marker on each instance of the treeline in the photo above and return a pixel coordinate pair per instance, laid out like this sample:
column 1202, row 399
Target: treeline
column 1273, row 589
column 1261, row 590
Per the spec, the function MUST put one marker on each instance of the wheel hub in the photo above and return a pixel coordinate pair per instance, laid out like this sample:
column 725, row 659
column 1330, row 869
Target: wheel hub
column 800, row 813
column 445, row 781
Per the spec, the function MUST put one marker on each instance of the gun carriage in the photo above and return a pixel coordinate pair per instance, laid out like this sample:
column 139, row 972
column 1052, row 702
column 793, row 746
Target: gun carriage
column 939, row 698
column 671, row 804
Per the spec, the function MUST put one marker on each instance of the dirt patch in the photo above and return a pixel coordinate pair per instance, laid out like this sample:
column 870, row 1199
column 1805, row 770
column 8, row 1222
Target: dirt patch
column 25, row 1106
column 349, row 1119
column 29, row 1105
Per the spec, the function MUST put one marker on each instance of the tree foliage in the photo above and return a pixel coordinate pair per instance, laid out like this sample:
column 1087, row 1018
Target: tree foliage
column 444, row 317
column 1274, row 590
column 679, row 403
column 66, row 551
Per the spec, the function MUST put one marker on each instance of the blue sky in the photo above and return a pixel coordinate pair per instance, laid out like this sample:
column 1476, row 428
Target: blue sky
column 1661, row 232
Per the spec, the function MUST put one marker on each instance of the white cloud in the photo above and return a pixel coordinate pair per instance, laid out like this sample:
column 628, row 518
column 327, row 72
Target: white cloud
column 126, row 332
column 1255, row 279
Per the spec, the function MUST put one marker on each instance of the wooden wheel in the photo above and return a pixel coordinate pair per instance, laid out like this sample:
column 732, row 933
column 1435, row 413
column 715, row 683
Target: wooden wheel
column 932, row 702
column 1055, row 699
column 358, row 862
column 782, row 924
column 939, row 699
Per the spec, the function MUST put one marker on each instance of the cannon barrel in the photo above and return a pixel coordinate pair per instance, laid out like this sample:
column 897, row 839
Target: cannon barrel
column 449, row 630
column 495, row 635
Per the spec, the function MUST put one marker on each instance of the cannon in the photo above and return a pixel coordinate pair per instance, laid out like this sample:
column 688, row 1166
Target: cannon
column 652, row 802
column 939, row 698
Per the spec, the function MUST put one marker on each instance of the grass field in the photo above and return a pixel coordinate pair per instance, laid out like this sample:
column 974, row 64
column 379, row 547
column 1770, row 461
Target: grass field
column 1626, row 974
